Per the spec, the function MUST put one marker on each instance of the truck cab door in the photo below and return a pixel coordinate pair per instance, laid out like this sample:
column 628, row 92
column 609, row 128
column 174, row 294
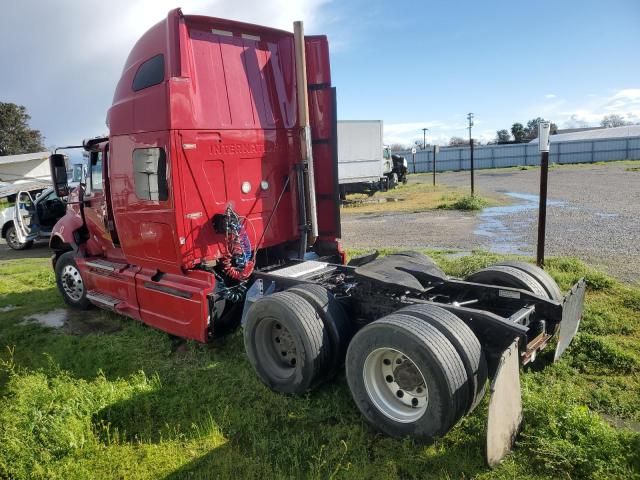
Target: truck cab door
column 95, row 206
column 24, row 216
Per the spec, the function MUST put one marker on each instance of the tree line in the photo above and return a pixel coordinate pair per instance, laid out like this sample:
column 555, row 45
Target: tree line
column 521, row 134
column 16, row 136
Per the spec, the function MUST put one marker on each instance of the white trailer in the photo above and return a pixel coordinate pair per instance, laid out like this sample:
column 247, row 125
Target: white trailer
column 360, row 151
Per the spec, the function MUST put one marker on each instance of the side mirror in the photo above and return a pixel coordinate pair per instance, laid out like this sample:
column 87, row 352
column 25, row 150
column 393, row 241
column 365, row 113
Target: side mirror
column 59, row 174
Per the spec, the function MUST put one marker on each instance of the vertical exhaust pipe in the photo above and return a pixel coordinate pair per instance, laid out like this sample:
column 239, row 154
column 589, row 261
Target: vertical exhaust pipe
column 305, row 131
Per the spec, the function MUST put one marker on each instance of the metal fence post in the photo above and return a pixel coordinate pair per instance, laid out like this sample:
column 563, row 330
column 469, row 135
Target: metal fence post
column 626, row 155
column 493, row 157
column 460, row 157
column 593, row 151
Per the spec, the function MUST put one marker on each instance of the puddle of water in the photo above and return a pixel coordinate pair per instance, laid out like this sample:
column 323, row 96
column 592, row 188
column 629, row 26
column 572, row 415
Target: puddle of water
column 504, row 239
column 76, row 322
column 54, row 318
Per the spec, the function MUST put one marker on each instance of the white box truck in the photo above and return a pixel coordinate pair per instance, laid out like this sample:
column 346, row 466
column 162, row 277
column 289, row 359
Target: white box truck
column 364, row 164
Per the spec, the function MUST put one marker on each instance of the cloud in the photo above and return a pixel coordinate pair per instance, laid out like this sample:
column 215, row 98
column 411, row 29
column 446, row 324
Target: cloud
column 550, row 95
column 624, row 102
column 65, row 57
column 409, row 132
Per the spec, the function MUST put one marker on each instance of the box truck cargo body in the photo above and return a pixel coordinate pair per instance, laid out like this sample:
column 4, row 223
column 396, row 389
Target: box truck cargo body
column 360, row 151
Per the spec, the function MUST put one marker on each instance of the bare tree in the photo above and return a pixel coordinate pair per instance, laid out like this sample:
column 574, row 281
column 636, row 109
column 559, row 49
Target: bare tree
column 397, row 147
column 613, row 120
column 458, row 142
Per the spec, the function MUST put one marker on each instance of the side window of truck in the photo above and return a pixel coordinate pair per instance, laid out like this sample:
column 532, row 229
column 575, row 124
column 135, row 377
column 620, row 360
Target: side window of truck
column 96, row 171
column 150, row 174
column 149, row 73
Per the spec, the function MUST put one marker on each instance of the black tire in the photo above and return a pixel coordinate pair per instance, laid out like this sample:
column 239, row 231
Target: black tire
column 13, row 242
column 441, row 372
column 334, row 318
column 465, row 342
column 67, row 273
column 292, row 324
column 508, row 277
column 543, row 278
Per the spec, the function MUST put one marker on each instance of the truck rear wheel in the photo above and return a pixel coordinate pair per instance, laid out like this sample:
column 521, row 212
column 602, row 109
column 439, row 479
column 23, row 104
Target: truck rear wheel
column 334, row 318
column 520, row 275
column 543, row 278
column 287, row 343
column 70, row 282
column 406, row 378
column 508, row 276
column 464, row 341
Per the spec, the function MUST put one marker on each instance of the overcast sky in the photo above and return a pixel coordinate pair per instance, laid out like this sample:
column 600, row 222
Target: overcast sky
column 412, row 64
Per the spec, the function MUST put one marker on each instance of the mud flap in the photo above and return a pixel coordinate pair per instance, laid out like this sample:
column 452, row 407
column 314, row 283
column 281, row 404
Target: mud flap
column 572, row 308
column 505, row 407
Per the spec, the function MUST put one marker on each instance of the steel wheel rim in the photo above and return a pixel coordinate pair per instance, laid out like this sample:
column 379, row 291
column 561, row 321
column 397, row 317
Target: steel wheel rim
column 12, row 238
column 72, row 282
column 395, row 385
column 276, row 347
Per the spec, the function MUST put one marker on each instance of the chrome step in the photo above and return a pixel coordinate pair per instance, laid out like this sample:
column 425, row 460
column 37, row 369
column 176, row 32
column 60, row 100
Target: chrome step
column 102, row 299
column 102, row 264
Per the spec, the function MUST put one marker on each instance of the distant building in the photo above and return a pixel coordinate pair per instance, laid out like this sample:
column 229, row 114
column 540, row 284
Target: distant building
column 595, row 134
column 25, row 168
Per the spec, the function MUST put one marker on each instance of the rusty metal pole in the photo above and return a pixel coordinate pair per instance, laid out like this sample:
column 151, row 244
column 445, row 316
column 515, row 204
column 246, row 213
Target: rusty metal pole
column 413, row 158
column 542, row 214
column 543, row 146
column 470, row 118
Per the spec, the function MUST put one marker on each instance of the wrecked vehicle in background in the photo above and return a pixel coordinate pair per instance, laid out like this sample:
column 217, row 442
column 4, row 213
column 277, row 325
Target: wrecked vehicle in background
column 31, row 217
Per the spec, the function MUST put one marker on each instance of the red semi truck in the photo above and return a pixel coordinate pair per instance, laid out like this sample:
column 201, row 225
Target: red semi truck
column 214, row 202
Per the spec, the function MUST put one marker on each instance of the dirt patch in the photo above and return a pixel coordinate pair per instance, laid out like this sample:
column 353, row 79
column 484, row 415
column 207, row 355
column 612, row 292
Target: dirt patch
column 76, row 322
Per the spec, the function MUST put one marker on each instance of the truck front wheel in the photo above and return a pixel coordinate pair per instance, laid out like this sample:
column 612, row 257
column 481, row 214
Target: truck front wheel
column 70, row 282
column 13, row 242
column 287, row 343
column 407, row 378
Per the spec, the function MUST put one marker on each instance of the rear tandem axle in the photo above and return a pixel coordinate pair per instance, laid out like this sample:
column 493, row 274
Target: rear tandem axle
column 418, row 346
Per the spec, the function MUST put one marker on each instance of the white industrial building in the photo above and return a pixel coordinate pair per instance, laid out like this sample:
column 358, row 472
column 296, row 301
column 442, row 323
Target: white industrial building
column 596, row 134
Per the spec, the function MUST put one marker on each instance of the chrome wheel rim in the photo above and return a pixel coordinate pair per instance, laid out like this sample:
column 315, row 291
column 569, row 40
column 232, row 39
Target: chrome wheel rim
column 72, row 283
column 395, row 385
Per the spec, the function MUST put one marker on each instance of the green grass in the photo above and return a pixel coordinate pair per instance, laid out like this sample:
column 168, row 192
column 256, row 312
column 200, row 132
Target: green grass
column 417, row 196
column 468, row 202
column 136, row 403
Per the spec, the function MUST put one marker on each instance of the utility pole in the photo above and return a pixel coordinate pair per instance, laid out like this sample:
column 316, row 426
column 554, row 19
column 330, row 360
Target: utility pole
column 424, row 138
column 470, row 118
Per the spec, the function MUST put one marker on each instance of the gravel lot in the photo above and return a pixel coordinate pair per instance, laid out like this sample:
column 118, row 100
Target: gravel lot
column 593, row 214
